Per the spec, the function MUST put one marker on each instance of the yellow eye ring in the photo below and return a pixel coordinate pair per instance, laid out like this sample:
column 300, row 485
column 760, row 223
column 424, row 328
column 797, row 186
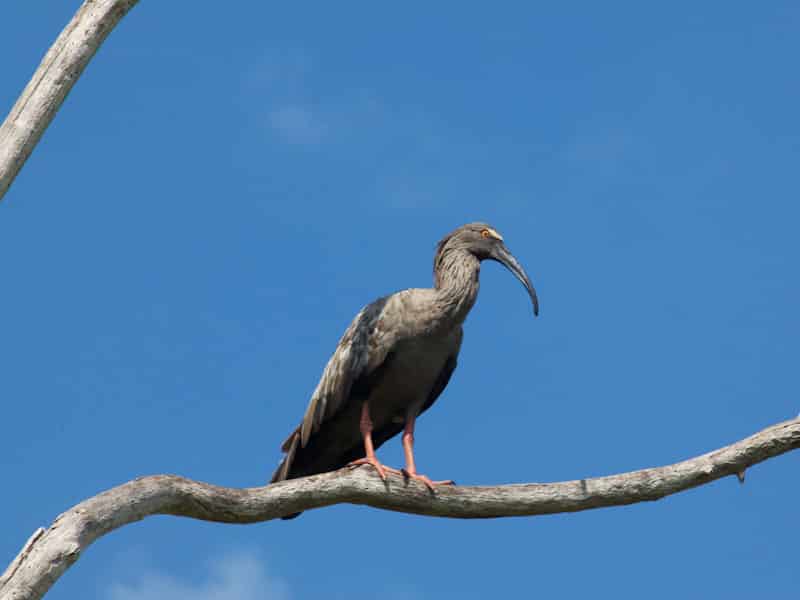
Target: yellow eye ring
column 485, row 233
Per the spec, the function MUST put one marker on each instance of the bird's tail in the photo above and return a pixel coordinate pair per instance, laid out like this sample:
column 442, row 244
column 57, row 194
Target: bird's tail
column 283, row 472
column 289, row 448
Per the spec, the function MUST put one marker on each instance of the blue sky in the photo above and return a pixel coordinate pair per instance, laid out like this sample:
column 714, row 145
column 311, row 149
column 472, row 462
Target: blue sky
column 224, row 189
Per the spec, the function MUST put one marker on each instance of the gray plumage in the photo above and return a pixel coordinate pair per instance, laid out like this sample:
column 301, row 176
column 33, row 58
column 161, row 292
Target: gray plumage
column 396, row 356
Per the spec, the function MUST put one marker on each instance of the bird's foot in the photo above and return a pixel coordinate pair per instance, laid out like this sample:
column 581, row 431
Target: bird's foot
column 376, row 464
column 425, row 479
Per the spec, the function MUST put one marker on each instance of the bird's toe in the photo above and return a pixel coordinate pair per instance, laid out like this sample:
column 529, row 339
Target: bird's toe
column 429, row 483
column 375, row 464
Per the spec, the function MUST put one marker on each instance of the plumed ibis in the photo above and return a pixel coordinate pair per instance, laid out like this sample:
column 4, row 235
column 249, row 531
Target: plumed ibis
column 393, row 362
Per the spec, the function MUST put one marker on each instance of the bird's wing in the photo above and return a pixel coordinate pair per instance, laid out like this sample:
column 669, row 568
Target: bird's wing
column 362, row 349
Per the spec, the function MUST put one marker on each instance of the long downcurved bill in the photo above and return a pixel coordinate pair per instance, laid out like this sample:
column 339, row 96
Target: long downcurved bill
column 502, row 255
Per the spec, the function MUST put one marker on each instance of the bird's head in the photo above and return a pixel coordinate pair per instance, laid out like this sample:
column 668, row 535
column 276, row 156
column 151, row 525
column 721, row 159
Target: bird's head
column 485, row 243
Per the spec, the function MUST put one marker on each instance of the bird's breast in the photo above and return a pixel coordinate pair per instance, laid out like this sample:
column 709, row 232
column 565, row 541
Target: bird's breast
column 411, row 372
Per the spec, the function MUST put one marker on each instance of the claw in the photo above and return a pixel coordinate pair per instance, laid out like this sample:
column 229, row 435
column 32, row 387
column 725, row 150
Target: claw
column 425, row 479
column 376, row 464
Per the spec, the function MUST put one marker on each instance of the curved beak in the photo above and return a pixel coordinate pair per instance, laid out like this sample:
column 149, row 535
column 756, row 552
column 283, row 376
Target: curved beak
column 503, row 255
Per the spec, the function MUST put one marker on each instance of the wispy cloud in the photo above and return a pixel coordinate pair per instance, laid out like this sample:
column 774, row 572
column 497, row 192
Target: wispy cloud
column 239, row 576
column 283, row 82
column 297, row 124
column 412, row 157
column 297, row 105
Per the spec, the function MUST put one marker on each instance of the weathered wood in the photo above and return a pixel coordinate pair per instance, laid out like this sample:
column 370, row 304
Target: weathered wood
column 50, row 552
column 59, row 70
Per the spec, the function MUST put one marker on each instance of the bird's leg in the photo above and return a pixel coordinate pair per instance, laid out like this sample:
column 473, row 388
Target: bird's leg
column 365, row 425
column 410, row 471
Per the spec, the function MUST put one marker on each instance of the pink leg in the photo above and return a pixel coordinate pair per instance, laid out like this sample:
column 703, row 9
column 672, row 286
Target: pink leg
column 369, row 448
column 410, row 471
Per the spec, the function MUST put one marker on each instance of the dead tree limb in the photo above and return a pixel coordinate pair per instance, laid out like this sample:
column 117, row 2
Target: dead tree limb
column 59, row 70
column 49, row 552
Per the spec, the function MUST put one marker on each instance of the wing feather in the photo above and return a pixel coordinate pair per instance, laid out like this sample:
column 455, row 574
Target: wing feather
column 363, row 347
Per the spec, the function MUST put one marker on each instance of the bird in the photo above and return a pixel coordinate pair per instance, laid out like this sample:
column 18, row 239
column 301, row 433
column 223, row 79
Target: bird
column 393, row 362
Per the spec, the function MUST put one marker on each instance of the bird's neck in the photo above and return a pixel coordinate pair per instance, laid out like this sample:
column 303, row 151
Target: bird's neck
column 456, row 283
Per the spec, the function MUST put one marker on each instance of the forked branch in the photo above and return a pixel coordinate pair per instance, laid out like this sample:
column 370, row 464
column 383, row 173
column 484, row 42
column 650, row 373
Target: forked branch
column 50, row 552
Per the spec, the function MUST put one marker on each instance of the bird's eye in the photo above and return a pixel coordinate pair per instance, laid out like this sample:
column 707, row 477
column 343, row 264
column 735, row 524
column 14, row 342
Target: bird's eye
column 489, row 233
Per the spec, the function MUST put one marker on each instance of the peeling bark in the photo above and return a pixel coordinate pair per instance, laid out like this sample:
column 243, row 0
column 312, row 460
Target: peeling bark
column 50, row 552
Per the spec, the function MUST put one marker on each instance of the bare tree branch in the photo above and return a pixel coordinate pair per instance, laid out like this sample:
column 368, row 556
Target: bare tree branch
column 50, row 552
column 59, row 70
